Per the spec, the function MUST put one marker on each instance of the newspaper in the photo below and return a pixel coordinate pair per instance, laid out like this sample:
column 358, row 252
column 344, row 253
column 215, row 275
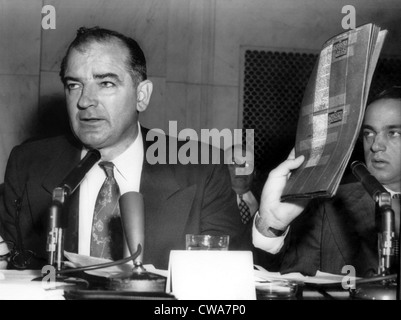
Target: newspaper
column 332, row 111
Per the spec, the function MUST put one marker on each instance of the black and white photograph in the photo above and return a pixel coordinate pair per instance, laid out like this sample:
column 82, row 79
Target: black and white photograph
column 212, row 151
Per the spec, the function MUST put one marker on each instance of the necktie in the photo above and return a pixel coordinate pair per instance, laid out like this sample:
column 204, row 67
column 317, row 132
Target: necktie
column 244, row 210
column 107, row 232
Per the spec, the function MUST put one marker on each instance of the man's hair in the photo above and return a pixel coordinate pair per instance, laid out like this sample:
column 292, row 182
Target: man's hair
column 136, row 62
column 393, row 92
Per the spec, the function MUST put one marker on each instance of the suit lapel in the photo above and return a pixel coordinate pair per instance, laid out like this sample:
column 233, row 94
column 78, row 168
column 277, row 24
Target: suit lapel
column 353, row 223
column 62, row 164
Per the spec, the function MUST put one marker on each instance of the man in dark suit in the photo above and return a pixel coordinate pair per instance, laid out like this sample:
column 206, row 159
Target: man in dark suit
column 241, row 165
column 326, row 235
column 106, row 87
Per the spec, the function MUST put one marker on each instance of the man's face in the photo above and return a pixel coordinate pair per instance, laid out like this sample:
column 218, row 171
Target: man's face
column 241, row 172
column 382, row 141
column 101, row 97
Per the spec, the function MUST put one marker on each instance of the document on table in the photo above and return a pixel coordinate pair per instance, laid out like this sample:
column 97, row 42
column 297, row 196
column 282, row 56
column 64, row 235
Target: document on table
column 262, row 275
column 79, row 260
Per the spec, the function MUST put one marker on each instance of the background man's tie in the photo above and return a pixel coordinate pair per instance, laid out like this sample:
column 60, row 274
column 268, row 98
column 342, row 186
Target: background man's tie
column 244, row 210
column 107, row 234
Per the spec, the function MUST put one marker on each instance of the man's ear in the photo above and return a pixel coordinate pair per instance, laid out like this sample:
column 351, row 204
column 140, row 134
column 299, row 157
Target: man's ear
column 143, row 93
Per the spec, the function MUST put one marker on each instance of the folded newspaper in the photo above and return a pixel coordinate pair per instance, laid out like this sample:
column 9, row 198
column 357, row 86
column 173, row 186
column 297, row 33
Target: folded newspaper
column 332, row 111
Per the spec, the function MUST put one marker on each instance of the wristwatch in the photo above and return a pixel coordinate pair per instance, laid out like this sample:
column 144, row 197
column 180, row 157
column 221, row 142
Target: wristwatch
column 275, row 232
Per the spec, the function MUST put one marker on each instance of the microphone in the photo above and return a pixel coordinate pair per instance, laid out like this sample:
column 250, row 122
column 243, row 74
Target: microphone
column 75, row 177
column 369, row 182
column 57, row 221
column 132, row 209
column 383, row 200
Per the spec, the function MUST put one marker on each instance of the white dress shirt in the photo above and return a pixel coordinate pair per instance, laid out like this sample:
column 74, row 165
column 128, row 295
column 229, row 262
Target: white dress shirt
column 272, row 245
column 127, row 172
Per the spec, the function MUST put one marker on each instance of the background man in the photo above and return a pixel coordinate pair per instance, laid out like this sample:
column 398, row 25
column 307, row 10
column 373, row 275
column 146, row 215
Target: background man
column 329, row 234
column 242, row 180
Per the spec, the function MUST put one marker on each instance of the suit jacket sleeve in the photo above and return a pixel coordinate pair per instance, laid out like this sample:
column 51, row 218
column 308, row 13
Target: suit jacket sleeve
column 20, row 227
column 13, row 192
column 302, row 246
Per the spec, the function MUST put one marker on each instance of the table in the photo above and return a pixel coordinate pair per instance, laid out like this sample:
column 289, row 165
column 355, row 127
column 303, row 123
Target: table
column 27, row 285
column 19, row 285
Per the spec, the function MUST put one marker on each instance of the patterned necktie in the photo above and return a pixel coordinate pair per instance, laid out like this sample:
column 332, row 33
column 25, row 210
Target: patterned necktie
column 107, row 233
column 244, row 210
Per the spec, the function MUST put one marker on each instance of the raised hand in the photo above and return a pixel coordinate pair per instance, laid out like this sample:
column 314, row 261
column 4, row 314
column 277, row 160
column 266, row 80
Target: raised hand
column 272, row 211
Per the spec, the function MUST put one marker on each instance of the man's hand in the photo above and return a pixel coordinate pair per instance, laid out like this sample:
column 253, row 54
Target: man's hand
column 274, row 213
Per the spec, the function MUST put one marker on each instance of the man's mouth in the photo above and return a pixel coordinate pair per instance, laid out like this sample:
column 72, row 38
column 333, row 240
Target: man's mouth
column 89, row 120
column 379, row 163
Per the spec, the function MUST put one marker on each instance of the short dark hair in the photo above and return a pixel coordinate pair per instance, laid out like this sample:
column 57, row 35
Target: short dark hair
column 136, row 63
column 393, row 92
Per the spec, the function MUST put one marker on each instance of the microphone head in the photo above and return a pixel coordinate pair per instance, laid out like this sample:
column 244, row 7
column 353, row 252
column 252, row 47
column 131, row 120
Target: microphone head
column 77, row 174
column 132, row 212
column 359, row 170
column 95, row 153
column 355, row 164
column 369, row 182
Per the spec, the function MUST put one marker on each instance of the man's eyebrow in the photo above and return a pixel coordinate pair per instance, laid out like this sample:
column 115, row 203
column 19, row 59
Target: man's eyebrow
column 107, row 75
column 69, row 78
column 390, row 126
column 393, row 126
column 95, row 76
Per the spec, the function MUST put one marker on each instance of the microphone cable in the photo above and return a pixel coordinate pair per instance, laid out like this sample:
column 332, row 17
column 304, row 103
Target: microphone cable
column 103, row 265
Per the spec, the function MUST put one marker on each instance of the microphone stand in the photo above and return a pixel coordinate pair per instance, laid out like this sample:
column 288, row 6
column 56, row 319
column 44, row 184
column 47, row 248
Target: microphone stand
column 387, row 236
column 384, row 289
column 55, row 240
column 133, row 219
column 57, row 220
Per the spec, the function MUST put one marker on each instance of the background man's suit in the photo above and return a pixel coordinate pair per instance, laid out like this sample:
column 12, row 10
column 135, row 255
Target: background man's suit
column 331, row 234
column 178, row 198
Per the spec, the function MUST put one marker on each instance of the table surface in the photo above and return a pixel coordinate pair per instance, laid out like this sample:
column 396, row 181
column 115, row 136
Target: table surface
column 19, row 285
column 27, row 285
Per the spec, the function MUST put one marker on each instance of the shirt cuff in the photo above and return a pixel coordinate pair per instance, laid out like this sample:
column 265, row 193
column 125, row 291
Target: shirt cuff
column 271, row 245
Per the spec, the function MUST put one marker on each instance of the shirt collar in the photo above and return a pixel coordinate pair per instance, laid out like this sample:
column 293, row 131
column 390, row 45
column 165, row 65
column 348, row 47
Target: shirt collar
column 392, row 193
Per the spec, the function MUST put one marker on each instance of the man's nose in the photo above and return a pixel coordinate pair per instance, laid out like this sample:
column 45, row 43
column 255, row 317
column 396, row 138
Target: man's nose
column 379, row 143
column 88, row 97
